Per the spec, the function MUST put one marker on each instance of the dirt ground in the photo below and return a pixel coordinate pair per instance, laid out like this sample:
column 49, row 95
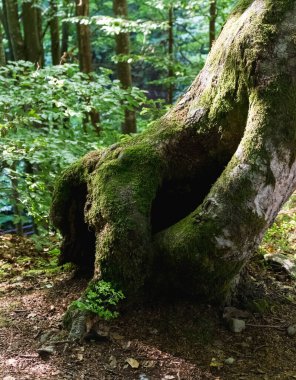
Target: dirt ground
column 164, row 341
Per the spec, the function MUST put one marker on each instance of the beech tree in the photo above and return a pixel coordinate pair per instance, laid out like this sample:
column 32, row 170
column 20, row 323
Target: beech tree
column 182, row 207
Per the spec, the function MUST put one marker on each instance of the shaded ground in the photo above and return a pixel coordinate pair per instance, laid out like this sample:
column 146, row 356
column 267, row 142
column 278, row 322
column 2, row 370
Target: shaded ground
column 172, row 341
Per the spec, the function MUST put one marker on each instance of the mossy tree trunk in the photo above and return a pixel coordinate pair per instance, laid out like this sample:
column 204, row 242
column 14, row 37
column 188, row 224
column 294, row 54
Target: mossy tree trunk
column 183, row 206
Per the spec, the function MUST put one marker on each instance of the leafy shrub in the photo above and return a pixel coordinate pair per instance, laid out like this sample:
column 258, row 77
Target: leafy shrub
column 101, row 300
column 45, row 126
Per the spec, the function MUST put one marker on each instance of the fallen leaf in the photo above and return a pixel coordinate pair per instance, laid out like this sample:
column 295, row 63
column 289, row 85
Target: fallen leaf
column 79, row 357
column 149, row 363
column 117, row 336
column 31, row 315
column 11, row 362
column 126, row 345
column 216, row 363
column 133, row 363
column 112, row 362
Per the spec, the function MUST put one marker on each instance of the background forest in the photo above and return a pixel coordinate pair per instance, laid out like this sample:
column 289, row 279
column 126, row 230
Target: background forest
column 76, row 76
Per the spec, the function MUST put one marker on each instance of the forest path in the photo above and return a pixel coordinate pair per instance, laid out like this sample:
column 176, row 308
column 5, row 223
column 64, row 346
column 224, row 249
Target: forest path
column 164, row 341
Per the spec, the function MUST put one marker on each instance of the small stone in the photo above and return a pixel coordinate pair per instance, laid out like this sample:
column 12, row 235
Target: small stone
column 291, row 330
column 233, row 312
column 229, row 361
column 133, row 362
column 112, row 362
column 45, row 351
column 237, row 325
column 46, row 336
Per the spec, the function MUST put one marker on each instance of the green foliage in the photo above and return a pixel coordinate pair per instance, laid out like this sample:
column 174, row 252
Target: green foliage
column 101, row 299
column 61, row 97
column 45, row 125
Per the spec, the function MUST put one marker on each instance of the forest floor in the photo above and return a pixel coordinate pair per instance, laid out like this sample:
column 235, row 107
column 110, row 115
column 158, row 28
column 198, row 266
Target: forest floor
column 178, row 340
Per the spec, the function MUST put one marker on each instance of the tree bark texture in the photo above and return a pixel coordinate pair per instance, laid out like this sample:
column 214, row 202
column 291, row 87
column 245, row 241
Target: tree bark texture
column 183, row 206
column 33, row 45
column 123, row 67
column 83, row 36
column 55, row 34
column 14, row 29
column 212, row 25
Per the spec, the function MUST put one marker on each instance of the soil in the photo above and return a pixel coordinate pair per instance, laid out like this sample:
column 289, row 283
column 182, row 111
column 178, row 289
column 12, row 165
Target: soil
column 175, row 340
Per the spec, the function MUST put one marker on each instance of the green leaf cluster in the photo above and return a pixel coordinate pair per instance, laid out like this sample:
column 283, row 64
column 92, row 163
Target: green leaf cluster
column 100, row 299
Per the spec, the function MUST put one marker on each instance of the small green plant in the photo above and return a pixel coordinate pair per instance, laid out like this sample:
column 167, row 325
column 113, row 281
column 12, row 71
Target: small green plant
column 100, row 299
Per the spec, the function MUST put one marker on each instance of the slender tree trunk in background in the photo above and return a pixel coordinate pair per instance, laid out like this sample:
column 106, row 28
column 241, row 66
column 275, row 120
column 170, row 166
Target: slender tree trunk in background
column 124, row 68
column 171, row 54
column 14, row 29
column 83, row 37
column 65, row 37
column 33, row 47
column 85, row 62
column 40, row 33
column 3, row 18
column 54, row 34
column 2, row 52
column 212, row 26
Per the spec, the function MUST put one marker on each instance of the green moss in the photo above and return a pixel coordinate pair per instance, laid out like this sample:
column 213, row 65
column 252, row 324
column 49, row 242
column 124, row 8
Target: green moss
column 260, row 306
column 70, row 179
column 277, row 8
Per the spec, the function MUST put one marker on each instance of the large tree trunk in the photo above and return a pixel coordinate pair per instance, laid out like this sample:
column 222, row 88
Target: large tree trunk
column 184, row 206
column 123, row 66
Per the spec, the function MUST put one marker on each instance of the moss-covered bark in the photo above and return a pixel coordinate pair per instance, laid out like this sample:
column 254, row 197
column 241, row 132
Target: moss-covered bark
column 183, row 206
